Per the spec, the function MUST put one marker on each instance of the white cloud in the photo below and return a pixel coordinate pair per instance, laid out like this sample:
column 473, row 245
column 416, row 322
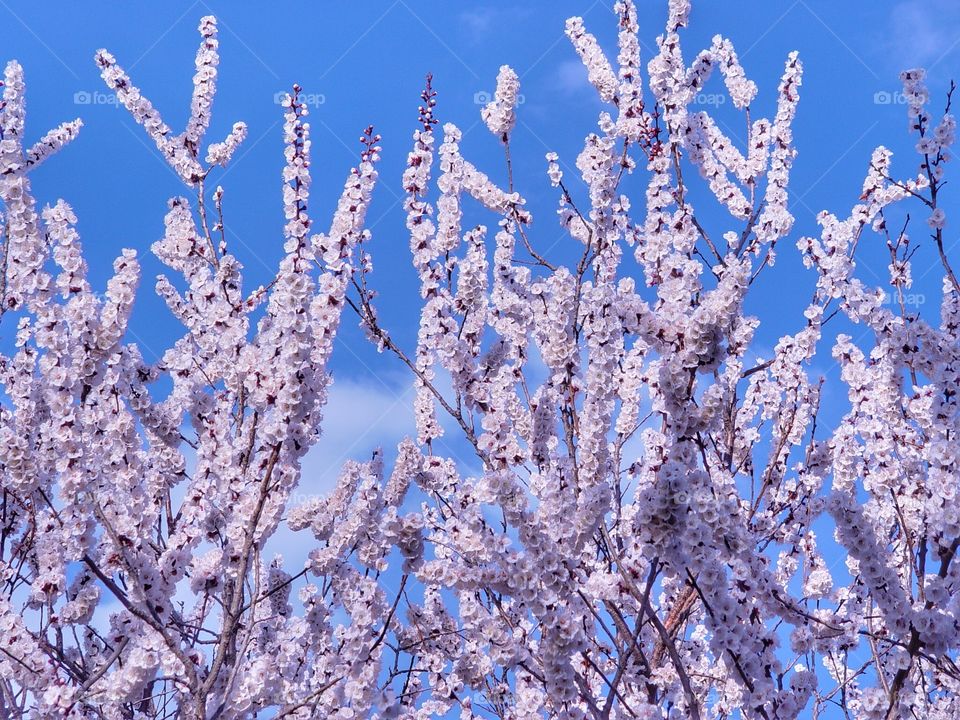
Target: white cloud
column 359, row 417
column 923, row 32
column 479, row 22
column 571, row 77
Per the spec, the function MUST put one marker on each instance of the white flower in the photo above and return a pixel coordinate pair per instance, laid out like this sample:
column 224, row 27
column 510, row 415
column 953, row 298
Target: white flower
column 500, row 113
column 937, row 219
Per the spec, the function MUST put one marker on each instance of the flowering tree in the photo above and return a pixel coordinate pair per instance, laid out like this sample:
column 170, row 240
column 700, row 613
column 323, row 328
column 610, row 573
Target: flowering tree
column 639, row 541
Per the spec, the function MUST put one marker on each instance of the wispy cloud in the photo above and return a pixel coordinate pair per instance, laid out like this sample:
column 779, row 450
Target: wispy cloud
column 923, row 32
column 571, row 77
column 358, row 418
column 480, row 21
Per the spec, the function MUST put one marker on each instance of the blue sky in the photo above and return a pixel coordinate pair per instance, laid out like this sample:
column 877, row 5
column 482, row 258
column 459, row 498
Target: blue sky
column 365, row 64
